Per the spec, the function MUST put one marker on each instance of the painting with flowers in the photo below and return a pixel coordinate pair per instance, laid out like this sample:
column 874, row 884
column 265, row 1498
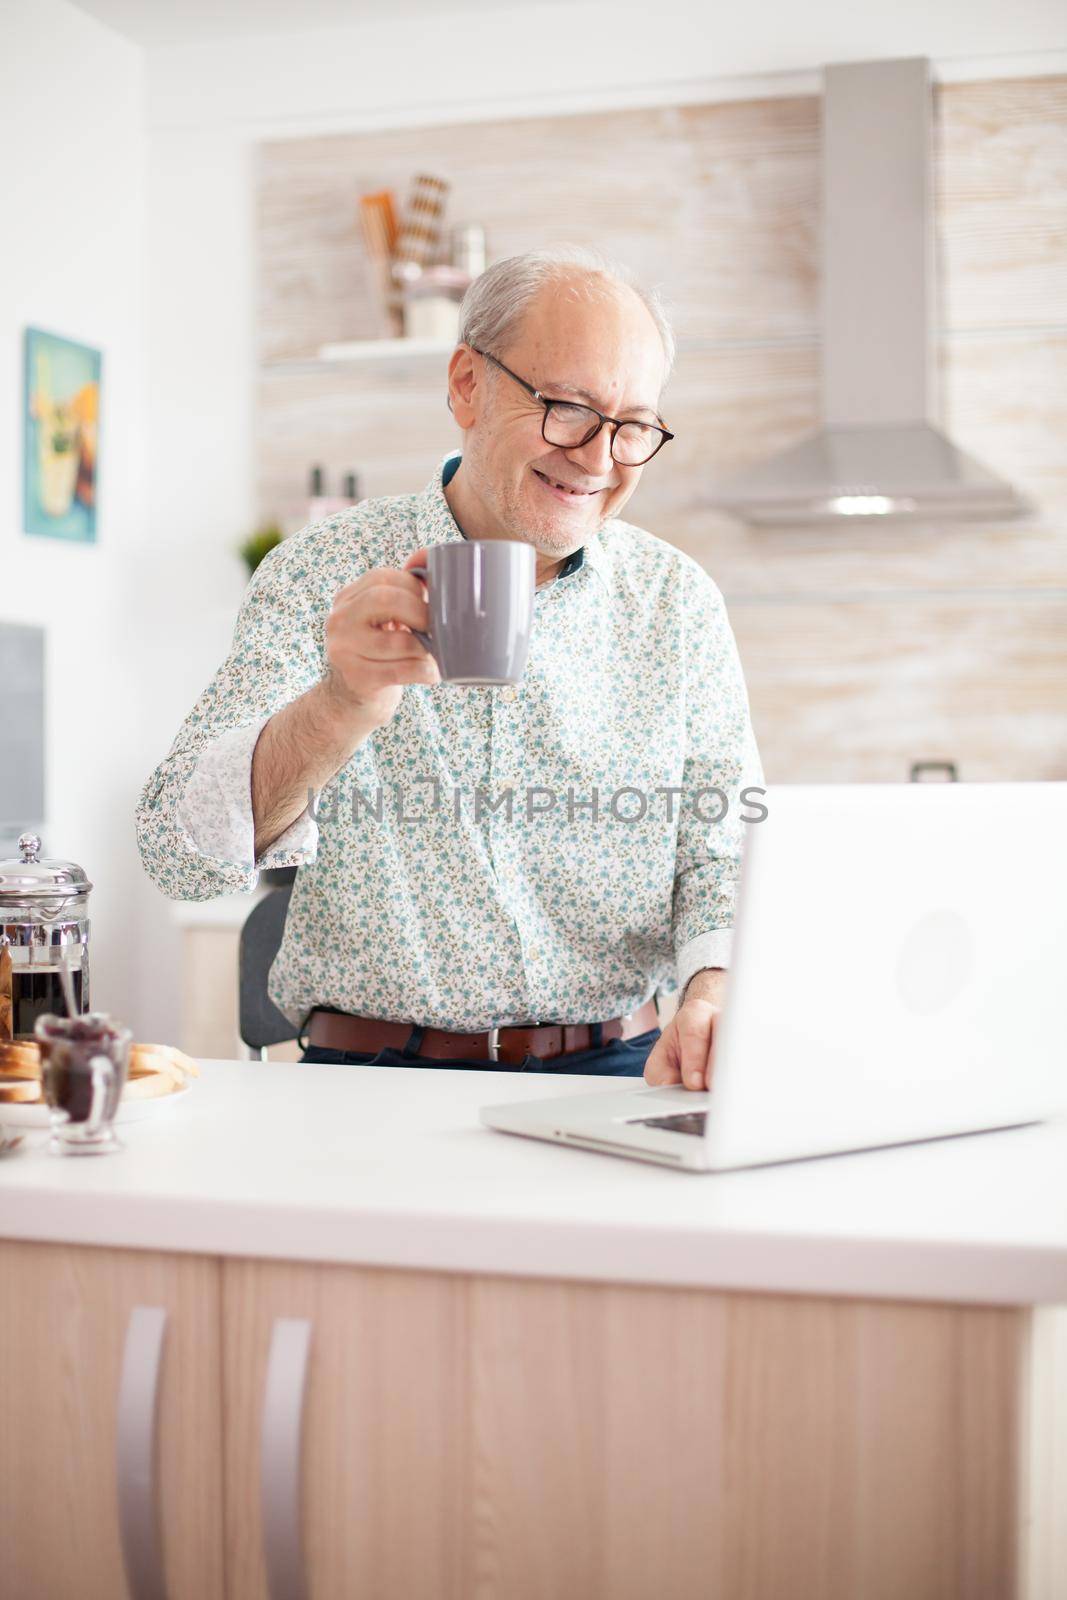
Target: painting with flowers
column 62, row 413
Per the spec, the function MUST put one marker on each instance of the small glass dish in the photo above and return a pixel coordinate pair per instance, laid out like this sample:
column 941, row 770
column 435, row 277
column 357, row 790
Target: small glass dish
column 83, row 1072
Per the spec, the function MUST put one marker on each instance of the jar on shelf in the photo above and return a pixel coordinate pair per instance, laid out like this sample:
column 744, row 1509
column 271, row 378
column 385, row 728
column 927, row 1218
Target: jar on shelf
column 468, row 249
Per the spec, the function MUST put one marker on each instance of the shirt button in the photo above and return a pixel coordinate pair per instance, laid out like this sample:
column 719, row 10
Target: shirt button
column 534, row 953
column 510, row 693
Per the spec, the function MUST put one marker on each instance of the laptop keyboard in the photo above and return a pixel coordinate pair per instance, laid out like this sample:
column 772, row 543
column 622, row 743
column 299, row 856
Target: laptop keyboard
column 678, row 1122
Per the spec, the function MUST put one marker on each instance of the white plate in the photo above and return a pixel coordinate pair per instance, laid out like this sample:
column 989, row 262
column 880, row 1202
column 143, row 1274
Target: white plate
column 37, row 1115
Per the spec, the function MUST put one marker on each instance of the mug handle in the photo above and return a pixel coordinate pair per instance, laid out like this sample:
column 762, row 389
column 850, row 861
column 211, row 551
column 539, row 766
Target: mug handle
column 423, row 638
column 102, row 1069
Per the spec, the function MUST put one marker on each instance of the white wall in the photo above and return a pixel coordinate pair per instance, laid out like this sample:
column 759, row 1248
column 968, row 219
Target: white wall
column 186, row 576
column 72, row 261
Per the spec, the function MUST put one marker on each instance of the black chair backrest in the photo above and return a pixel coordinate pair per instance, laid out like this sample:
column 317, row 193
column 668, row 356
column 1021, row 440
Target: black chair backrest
column 260, row 1021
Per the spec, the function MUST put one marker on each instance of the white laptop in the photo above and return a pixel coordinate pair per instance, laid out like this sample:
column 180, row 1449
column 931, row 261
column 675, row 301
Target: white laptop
column 898, row 974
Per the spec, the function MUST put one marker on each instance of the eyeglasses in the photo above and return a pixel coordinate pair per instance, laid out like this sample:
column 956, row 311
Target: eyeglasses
column 569, row 426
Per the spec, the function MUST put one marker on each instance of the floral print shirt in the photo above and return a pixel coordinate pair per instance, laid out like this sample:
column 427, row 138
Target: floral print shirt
column 557, row 851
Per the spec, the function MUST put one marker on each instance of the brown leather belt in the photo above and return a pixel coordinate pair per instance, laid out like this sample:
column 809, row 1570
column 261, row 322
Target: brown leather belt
column 337, row 1030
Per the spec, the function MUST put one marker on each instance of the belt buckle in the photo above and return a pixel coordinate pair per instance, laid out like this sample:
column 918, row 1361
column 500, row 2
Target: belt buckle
column 494, row 1044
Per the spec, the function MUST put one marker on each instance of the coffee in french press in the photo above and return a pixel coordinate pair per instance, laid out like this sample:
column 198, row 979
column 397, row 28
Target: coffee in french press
column 44, row 927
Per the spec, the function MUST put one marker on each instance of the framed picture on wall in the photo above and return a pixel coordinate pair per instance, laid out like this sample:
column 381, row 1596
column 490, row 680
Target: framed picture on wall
column 61, row 422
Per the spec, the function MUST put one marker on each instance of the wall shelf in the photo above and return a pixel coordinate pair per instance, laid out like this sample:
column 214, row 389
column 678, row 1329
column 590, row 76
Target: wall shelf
column 360, row 352
column 365, row 352
column 384, row 349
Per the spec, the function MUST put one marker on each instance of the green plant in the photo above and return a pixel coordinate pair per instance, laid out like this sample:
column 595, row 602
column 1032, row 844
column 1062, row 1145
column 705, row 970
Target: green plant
column 260, row 544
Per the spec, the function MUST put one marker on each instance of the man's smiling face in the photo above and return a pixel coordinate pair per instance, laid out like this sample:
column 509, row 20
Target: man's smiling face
column 597, row 346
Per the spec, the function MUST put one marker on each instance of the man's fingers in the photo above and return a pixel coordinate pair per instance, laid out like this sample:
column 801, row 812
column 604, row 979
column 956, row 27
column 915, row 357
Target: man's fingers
column 389, row 644
column 378, row 622
column 695, row 1023
column 682, row 1053
column 424, row 671
column 376, row 676
column 387, row 648
column 369, row 633
column 384, row 602
column 389, row 576
column 381, row 594
column 660, row 1067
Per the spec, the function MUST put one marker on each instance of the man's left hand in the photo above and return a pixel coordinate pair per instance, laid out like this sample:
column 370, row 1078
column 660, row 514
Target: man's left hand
column 683, row 1052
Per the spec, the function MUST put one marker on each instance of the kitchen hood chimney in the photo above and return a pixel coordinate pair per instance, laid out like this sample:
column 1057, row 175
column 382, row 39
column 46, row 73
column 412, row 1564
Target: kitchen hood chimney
column 879, row 452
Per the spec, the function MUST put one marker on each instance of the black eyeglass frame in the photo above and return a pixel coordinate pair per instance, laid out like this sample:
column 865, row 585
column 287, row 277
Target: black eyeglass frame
column 614, row 423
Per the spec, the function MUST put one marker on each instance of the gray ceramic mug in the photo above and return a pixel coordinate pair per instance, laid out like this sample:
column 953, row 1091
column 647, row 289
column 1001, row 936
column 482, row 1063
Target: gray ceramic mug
column 481, row 598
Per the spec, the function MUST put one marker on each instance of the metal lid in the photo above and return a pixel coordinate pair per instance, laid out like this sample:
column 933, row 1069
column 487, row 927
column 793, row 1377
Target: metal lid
column 27, row 877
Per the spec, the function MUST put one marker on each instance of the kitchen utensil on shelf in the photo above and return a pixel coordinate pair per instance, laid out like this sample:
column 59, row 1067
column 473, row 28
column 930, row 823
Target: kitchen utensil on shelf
column 44, row 925
column 468, row 249
column 377, row 218
column 419, row 239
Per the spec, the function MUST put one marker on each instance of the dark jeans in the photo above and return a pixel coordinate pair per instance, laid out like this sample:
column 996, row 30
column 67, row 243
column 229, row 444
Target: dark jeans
column 622, row 1058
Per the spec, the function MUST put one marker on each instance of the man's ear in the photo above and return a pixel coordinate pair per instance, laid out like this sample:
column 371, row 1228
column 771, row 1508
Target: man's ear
column 461, row 386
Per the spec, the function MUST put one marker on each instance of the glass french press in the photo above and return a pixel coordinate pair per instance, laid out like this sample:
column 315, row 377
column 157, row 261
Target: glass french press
column 44, row 926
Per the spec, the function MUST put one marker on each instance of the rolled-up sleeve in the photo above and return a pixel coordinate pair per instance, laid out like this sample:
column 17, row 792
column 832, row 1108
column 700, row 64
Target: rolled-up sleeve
column 721, row 764
column 195, row 828
column 215, row 811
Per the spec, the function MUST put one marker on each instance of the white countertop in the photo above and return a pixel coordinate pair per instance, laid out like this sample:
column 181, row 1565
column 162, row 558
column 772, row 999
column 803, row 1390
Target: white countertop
column 392, row 1168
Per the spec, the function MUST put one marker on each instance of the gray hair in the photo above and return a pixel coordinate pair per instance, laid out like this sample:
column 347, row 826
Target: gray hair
column 496, row 302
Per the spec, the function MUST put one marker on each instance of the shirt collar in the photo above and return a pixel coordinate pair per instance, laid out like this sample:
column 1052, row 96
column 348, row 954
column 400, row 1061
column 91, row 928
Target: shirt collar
column 435, row 524
column 434, row 521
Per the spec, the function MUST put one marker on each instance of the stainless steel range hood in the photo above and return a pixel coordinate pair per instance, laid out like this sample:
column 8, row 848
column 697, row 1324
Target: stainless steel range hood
column 879, row 452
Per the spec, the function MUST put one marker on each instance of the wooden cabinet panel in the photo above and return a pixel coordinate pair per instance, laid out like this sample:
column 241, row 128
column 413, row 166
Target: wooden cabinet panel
column 66, row 1312
column 515, row 1439
column 1001, row 170
column 209, row 1029
column 491, row 1438
column 384, row 1450
column 209, row 993
column 854, row 692
column 687, row 1443
column 1044, row 1561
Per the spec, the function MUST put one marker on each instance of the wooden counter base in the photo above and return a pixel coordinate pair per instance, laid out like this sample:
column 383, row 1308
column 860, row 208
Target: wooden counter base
column 492, row 1438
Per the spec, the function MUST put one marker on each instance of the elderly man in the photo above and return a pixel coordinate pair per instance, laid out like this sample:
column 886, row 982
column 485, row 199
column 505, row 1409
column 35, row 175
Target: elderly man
column 428, row 925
